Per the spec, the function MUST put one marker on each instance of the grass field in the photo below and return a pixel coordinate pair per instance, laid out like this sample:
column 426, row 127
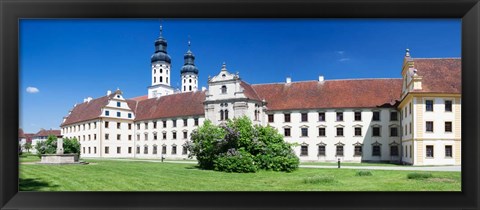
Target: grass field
column 109, row 175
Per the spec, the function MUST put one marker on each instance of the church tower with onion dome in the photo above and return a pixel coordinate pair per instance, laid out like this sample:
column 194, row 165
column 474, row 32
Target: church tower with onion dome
column 160, row 63
column 189, row 72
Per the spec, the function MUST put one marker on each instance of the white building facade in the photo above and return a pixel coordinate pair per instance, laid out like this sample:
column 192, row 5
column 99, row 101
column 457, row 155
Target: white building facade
column 357, row 120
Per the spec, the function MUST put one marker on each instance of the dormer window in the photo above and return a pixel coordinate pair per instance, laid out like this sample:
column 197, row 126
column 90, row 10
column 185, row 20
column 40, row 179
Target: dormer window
column 224, row 89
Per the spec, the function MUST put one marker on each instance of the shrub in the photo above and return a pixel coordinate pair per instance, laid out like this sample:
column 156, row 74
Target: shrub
column 363, row 173
column 419, row 175
column 319, row 180
column 235, row 161
column 70, row 146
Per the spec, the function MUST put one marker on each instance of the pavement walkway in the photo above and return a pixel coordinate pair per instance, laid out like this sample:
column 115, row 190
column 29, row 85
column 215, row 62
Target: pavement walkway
column 394, row 168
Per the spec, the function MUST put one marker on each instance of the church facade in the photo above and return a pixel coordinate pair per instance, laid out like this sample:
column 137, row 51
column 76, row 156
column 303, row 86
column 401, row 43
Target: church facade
column 414, row 120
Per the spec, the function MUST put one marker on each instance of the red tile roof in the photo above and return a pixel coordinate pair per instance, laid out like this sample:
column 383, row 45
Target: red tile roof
column 21, row 134
column 175, row 105
column 48, row 133
column 249, row 91
column 86, row 111
column 359, row 93
column 440, row 75
column 140, row 98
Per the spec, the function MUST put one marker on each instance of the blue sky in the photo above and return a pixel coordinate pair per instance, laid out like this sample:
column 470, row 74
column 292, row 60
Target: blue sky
column 64, row 61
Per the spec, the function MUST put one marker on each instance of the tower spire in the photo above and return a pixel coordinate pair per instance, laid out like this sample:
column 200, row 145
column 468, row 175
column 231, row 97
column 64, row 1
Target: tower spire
column 189, row 42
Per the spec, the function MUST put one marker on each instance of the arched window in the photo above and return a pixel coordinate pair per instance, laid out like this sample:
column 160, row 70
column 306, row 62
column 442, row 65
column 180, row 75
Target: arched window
column 184, row 88
column 154, row 71
column 161, row 70
column 221, row 115
column 190, row 87
column 166, row 79
column 161, row 79
column 226, row 114
column 190, row 80
column 184, row 80
column 224, row 89
column 154, row 79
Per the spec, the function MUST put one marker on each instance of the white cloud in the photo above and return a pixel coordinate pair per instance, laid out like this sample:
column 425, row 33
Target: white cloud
column 340, row 52
column 343, row 59
column 32, row 90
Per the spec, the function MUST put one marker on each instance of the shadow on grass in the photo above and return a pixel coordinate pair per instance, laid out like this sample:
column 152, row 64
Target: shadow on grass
column 193, row 167
column 34, row 185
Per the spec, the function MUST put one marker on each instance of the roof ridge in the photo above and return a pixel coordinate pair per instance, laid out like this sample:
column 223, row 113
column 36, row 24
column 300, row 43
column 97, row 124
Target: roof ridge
column 282, row 83
column 439, row 58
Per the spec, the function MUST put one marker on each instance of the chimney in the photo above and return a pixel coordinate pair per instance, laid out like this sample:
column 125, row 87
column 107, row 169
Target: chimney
column 84, row 100
column 289, row 80
column 321, row 78
column 89, row 99
column 109, row 92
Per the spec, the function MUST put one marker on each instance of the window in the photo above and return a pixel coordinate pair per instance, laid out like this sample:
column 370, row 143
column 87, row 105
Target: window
column 321, row 116
column 429, row 126
column 184, row 150
column 129, row 137
column 224, row 89
column 376, row 131
column 138, row 137
column 118, row 104
column 393, row 150
column 304, row 131
column 106, row 150
column 410, row 108
column 129, row 115
column 118, row 125
column 270, row 118
column 106, row 124
column 174, row 135
column 410, row 127
column 222, row 115
column 94, row 150
column 339, row 116
column 164, row 122
column 376, row 150
column 376, row 116
column 304, row 150
column 155, row 136
column 154, row 149
column 448, row 126
column 164, row 150
column 339, row 131
column 174, row 122
column 185, row 122
column 119, row 150
column 138, row 149
column 164, row 136
column 146, row 125
column 287, row 117
column 321, row 150
column 174, row 150
column 358, row 151
column 448, row 150
column 107, row 113
column 89, row 150
column 304, row 117
column 286, row 132
column 358, row 116
column 138, row 126
column 146, row 137
column 145, row 149
column 321, row 131
column 83, row 150
column 154, row 124
column 119, row 136
column 94, row 136
column 393, row 131
column 185, row 134
column 195, row 120
column 429, row 151
column 448, row 106
column 339, row 151
column 129, row 150
column 358, row 131
column 106, row 136
column 393, row 116
column 429, row 105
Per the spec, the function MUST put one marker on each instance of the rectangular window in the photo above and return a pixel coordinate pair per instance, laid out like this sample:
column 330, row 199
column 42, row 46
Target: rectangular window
column 155, row 136
column 119, row 125
column 118, row 104
column 393, row 131
column 106, row 136
column 184, row 150
column 339, row 151
column 429, row 126
column 185, row 134
column 304, row 117
column 376, row 131
column 358, row 116
column 448, row 150
column 138, row 150
column 129, row 126
column 304, row 150
column 174, row 150
column 119, row 114
column 154, row 124
column 321, row 150
column 286, row 132
column 89, row 150
column 185, row 122
column 164, row 136
column 393, row 150
column 195, row 120
column 138, row 137
column 321, row 131
column 429, row 105
column 119, row 150
column 107, row 113
column 376, row 116
column 164, row 123
column 129, row 150
column 405, row 111
column 146, row 137
column 304, row 131
column 448, row 126
column 174, row 122
column 94, row 150
column 106, row 124
column 129, row 115
column 164, row 150
column 145, row 149
column 393, row 116
column 358, row 131
column 106, row 150
column 358, row 151
column 118, row 136
column 138, row 126
column 339, row 116
column 448, row 106
column 129, row 137
column 321, row 116
column 146, row 125
column 410, row 127
column 287, row 117
column 94, row 136
column 270, row 118
column 429, row 152
column 83, row 150
column 174, row 135
column 376, row 150
column 410, row 108
column 339, row 131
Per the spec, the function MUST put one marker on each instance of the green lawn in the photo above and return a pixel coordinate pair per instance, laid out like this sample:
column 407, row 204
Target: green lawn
column 110, row 175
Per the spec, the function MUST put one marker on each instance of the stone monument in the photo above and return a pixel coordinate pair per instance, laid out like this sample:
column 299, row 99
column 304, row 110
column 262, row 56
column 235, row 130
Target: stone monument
column 59, row 158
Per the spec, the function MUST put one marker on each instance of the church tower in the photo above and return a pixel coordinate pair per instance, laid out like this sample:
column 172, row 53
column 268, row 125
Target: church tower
column 189, row 72
column 160, row 63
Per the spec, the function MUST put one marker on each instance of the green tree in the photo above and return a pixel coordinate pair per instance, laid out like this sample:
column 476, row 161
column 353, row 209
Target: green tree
column 28, row 146
column 49, row 146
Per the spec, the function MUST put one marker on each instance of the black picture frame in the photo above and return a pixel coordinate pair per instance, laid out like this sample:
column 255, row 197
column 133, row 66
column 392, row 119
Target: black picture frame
column 11, row 11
